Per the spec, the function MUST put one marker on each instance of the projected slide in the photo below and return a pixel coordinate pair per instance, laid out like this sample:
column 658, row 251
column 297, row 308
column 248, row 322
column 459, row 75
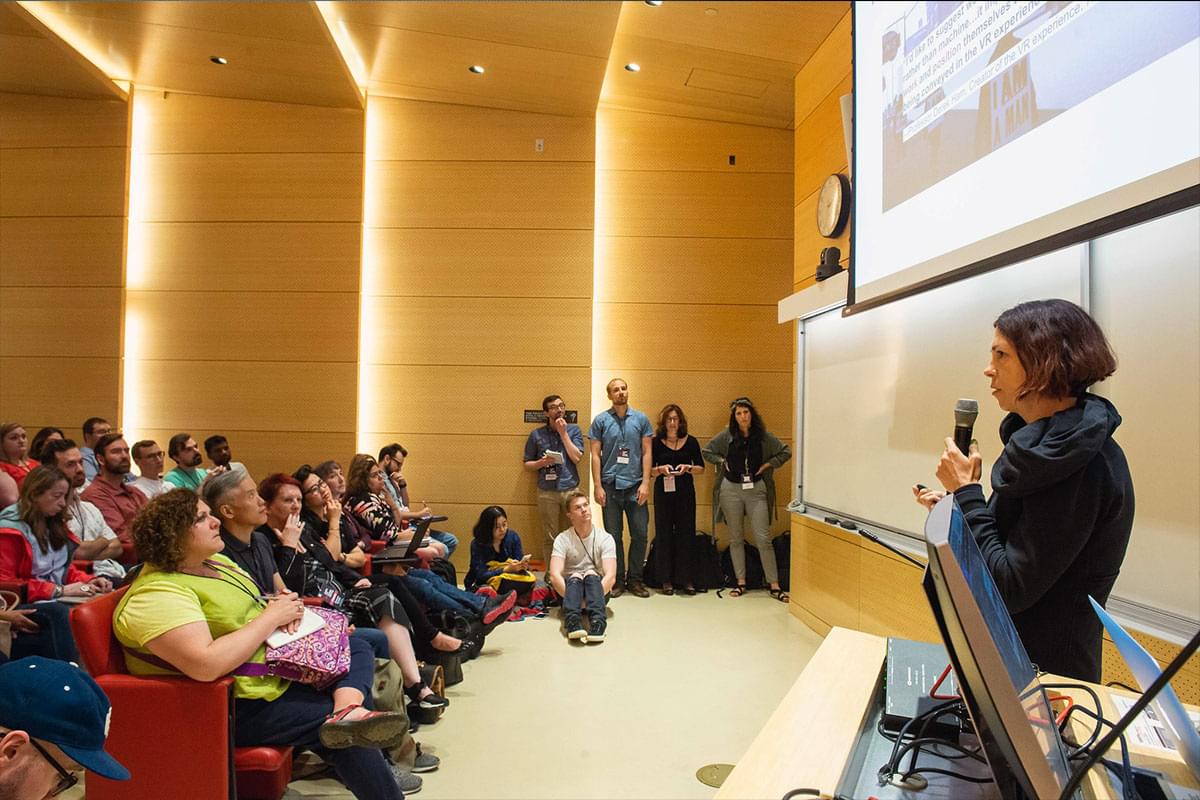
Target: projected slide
column 984, row 126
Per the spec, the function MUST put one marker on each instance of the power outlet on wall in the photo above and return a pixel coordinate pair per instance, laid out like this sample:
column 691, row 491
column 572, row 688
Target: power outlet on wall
column 539, row 145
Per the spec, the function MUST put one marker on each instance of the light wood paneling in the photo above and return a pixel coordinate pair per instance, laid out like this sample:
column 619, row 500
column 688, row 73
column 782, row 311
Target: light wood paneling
column 37, row 330
column 705, row 395
column 263, row 452
column 284, row 187
column 240, row 126
column 485, row 400
column 826, row 69
column 270, row 257
column 522, row 517
column 892, row 601
column 479, row 331
column 827, row 583
column 457, row 194
column 692, row 270
column 62, row 392
column 61, row 251
column 808, row 242
column 27, row 121
column 636, row 141
column 690, row 337
column 824, row 146
column 34, row 61
column 430, row 262
column 246, row 395
column 63, row 182
column 253, row 326
column 417, row 131
column 696, row 204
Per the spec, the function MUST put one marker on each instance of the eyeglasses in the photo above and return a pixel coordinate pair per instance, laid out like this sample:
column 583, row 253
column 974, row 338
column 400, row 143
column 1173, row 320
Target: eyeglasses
column 316, row 487
column 556, row 405
column 65, row 779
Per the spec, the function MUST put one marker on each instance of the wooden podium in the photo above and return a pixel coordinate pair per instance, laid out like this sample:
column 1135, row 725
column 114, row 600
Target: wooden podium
column 809, row 738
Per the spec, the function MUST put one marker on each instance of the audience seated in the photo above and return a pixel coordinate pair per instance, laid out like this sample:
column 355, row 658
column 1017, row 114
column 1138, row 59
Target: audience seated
column 117, row 500
column 97, row 541
column 93, row 429
column 391, row 460
column 335, row 479
column 216, row 447
column 496, row 552
column 191, row 610
column 187, row 474
column 149, row 458
column 41, row 438
column 322, row 513
column 8, row 490
column 366, row 504
column 53, row 722
column 36, row 548
column 306, row 567
column 14, row 452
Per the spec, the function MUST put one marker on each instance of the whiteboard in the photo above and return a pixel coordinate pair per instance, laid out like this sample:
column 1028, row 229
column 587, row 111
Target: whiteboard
column 878, row 391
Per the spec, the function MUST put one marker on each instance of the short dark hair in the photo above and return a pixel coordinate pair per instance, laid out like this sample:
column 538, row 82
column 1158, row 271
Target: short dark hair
column 213, row 442
column 303, row 472
column 90, row 423
column 53, row 447
column 1061, row 348
column 104, row 441
column 548, row 399
column 138, row 445
column 662, row 421
column 176, row 443
column 390, row 450
column 482, row 532
column 39, row 441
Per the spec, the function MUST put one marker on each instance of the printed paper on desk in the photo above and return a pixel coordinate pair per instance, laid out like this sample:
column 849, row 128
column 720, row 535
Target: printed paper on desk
column 308, row 623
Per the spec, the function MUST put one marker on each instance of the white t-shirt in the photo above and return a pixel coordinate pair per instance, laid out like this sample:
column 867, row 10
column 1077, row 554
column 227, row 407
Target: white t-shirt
column 87, row 523
column 584, row 557
column 152, row 488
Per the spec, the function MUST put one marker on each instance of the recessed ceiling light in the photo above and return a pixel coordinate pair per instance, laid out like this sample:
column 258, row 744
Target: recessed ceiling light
column 476, row 69
column 633, row 67
column 219, row 60
column 654, row 3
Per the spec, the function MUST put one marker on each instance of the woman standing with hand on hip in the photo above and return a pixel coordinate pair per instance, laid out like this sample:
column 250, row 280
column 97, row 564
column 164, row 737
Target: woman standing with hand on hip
column 1057, row 524
column 747, row 456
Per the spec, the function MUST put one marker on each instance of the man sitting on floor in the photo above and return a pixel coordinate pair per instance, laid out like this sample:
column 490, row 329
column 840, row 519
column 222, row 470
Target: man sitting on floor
column 583, row 566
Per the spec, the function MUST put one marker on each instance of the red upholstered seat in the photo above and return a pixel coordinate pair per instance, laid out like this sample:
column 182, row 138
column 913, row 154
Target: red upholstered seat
column 174, row 734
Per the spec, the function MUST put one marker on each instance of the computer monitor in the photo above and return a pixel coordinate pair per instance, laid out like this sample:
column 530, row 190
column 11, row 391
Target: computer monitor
column 997, row 681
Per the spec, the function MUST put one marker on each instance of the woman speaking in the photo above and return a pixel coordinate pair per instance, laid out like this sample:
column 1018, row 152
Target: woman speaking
column 1055, row 529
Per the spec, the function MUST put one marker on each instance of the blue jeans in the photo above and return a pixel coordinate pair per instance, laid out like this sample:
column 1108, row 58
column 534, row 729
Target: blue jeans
column 625, row 500
column 54, row 640
column 437, row 594
column 577, row 590
column 446, row 538
column 376, row 638
column 295, row 719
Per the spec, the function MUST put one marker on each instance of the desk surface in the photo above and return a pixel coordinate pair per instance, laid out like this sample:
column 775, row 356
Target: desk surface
column 807, row 740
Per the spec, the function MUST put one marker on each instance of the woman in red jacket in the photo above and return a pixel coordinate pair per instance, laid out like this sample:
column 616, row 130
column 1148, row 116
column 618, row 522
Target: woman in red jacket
column 14, row 452
column 35, row 550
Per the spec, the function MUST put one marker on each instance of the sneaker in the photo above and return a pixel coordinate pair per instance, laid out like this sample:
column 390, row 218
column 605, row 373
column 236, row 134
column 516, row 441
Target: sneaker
column 425, row 762
column 617, row 591
column 408, row 783
column 637, row 589
column 596, row 634
column 575, row 631
column 497, row 610
column 430, row 700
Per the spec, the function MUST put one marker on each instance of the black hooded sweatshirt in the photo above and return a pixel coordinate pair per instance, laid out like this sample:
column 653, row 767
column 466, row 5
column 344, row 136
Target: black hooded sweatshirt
column 1055, row 529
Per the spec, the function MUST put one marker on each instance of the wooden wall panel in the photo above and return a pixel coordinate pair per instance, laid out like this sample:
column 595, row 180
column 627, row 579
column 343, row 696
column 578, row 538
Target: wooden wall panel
column 63, row 167
column 827, row 67
column 472, row 194
column 481, row 262
column 252, row 256
column 824, row 143
column 478, row 271
column 244, row 296
column 638, row 141
column 61, row 251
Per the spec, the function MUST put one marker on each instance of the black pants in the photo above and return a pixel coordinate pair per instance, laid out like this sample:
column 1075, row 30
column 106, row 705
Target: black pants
column 675, row 534
column 422, row 628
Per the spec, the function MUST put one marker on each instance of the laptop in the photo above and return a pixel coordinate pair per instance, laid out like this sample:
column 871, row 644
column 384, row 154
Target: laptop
column 407, row 553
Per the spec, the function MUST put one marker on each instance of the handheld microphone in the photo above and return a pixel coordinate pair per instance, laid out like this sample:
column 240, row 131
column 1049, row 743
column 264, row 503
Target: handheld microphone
column 965, row 412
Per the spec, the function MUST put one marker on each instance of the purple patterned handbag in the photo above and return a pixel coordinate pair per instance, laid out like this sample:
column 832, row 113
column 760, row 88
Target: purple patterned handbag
column 319, row 658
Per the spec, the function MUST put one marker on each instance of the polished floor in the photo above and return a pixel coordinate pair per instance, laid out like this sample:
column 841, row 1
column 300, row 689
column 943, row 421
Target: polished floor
column 681, row 682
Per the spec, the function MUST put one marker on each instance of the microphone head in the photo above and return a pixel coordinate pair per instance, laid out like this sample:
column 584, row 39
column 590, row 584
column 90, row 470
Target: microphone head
column 965, row 412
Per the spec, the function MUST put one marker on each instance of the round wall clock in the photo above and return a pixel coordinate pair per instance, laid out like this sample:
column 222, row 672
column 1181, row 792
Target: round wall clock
column 833, row 205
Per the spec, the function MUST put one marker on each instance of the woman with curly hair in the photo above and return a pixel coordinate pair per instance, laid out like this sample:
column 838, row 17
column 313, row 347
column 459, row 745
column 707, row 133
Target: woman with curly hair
column 193, row 611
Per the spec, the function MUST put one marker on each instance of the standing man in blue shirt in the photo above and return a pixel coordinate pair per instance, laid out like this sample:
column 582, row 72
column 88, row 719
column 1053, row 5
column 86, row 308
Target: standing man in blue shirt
column 553, row 452
column 621, row 474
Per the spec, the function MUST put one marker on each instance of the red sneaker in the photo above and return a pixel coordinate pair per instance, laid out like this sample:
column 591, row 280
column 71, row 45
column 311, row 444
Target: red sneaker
column 499, row 612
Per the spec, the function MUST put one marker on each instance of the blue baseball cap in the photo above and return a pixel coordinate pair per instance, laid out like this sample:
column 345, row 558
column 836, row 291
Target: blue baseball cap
column 57, row 702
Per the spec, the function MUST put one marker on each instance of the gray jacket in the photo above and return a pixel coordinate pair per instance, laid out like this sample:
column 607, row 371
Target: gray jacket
column 774, row 452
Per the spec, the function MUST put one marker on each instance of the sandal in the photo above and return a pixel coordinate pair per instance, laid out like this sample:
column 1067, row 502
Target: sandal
column 377, row 729
column 666, row 590
column 780, row 595
column 737, row 591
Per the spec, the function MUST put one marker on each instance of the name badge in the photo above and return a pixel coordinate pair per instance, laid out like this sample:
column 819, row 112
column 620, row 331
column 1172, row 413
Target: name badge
column 551, row 475
column 623, row 455
column 747, row 482
column 668, row 483
column 331, row 596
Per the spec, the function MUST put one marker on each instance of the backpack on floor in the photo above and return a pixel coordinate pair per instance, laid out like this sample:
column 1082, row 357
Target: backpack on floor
column 444, row 570
column 708, row 562
column 754, row 570
column 783, row 560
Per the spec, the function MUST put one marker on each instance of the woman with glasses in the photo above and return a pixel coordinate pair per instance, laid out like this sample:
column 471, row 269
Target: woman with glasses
column 676, row 457
column 747, row 455
column 191, row 610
